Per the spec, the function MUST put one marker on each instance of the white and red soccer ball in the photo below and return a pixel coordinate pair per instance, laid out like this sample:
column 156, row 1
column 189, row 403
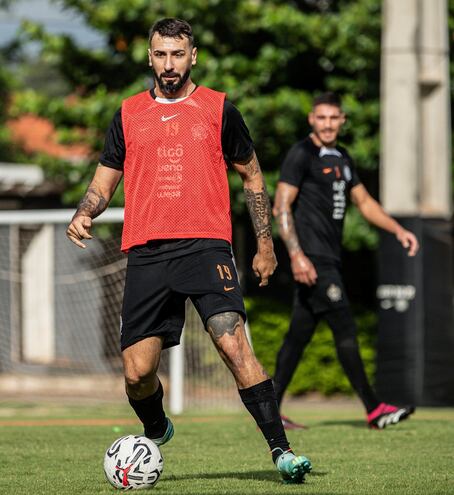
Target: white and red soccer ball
column 133, row 462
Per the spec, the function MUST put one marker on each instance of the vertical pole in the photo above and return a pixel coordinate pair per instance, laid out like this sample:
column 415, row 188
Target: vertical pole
column 38, row 332
column 436, row 194
column 416, row 335
column 400, row 312
column 436, row 204
column 176, row 372
column 400, row 116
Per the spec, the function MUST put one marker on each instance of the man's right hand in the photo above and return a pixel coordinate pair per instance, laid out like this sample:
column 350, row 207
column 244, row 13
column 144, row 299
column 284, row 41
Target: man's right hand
column 79, row 229
column 302, row 268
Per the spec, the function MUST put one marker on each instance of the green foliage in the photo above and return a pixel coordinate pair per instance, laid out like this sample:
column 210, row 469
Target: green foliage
column 270, row 56
column 319, row 369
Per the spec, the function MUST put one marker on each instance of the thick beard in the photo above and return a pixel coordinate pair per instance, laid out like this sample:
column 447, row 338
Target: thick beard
column 171, row 88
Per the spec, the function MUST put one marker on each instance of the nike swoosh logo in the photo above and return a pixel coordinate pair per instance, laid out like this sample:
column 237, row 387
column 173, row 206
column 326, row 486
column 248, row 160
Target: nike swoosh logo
column 227, row 289
column 165, row 119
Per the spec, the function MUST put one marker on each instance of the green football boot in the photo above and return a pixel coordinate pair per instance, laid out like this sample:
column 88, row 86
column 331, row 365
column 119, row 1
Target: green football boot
column 293, row 468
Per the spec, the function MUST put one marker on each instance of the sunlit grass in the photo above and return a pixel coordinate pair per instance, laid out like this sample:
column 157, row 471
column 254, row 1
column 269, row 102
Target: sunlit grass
column 224, row 453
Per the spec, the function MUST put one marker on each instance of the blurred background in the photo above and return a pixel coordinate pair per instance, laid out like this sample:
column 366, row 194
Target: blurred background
column 66, row 66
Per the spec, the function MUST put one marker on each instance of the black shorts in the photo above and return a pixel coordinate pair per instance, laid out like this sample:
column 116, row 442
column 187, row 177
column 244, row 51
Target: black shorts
column 327, row 294
column 155, row 294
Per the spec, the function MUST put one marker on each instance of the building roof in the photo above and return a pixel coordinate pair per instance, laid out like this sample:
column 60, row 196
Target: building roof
column 38, row 135
column 17, row 179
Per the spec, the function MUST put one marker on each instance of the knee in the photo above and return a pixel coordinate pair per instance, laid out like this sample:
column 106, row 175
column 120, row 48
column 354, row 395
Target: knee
column 138, row 375
column 134, row 380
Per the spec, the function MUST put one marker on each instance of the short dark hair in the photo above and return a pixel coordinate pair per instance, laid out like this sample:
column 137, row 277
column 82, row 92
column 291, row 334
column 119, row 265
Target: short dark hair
column 171, row 27
column 328, row 98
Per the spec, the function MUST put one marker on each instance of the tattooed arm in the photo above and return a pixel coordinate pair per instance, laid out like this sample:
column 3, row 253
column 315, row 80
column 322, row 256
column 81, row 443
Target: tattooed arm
column 302, row 268
column 259, row 207
column 95, row 201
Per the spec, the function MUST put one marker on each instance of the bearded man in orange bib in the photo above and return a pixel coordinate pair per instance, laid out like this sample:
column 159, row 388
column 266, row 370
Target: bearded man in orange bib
column 172, row 145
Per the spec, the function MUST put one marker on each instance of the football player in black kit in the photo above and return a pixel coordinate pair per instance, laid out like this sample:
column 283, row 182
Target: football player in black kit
column 171, row 145
column 317, row 178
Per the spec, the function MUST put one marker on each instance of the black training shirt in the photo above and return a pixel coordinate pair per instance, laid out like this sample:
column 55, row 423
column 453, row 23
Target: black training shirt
column 237, row 146
column 324, row 177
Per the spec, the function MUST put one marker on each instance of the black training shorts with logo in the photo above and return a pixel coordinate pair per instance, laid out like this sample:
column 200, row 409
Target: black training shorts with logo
column 327, row 294
column 155, row 294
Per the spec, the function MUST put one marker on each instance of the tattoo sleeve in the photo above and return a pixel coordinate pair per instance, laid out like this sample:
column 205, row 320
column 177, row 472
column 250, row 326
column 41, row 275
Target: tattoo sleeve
column 287, row 230
column 257, row 199
column 223, row 323
column 92, row 204
column 252, row 167
column 258, row 204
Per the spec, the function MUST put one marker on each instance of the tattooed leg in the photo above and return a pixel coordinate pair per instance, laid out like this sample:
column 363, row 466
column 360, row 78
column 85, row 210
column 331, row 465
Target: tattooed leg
column 224, row 323
column 229, row 336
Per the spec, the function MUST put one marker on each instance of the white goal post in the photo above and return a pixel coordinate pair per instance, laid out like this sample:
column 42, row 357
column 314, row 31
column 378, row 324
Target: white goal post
column 60, row 306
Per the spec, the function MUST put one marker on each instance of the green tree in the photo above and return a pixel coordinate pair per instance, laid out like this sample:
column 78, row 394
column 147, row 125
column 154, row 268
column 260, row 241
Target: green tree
column 270, row 56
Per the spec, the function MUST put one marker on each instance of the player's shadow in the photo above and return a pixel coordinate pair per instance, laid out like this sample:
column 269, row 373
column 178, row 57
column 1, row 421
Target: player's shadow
column 354, row 423
column 268, row 475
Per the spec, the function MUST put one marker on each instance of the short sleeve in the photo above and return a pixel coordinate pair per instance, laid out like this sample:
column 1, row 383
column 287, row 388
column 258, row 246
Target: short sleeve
column 355, row 180
column 237, row 144
column 294, row 166
column 355, row 177
column 114, row 152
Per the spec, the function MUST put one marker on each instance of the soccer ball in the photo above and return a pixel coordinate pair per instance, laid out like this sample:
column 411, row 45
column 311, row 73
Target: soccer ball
column 133, row 462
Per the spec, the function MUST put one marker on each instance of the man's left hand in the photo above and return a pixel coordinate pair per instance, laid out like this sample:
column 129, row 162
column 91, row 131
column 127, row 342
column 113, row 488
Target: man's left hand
column 264, row 264
column 408, row 241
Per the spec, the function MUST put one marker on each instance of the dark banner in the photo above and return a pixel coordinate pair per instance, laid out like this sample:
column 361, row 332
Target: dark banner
column 415, row 347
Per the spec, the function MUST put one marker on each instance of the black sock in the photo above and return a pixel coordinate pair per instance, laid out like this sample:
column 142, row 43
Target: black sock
column 151, row 413
column 260, row 401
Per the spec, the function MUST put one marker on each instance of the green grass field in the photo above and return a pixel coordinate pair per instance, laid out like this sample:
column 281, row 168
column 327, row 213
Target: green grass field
column 48, row 449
